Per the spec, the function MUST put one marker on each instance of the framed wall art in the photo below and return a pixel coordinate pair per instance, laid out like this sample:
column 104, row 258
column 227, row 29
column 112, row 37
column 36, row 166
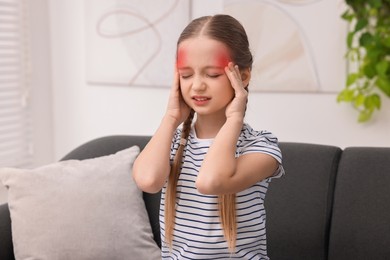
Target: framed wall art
column 298, row 45
column 133, row 42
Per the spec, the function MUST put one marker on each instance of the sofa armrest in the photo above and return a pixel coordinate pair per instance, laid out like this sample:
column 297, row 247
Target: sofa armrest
column 6, row 247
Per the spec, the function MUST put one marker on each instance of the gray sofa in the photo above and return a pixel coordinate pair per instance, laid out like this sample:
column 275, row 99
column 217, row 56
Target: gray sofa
column 332, row 203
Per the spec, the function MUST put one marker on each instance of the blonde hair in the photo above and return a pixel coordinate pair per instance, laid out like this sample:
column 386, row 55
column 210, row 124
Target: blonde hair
column 228, row 30
column 170, row 195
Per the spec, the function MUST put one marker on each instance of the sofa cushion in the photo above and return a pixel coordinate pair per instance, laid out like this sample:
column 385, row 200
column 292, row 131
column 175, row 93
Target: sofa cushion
column 111, row 144
column 361, row 214
column 298, row 206
column 79, row 209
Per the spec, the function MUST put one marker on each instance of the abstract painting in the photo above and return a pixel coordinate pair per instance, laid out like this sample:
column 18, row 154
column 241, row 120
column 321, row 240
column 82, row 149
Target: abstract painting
column 133, row 42
column 298, row 45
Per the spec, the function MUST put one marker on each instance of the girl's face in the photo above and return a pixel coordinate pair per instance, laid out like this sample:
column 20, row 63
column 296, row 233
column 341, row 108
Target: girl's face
column 204, row 85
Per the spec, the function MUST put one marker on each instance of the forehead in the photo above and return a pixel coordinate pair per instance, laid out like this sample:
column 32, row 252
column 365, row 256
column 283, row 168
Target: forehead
column 202, row 49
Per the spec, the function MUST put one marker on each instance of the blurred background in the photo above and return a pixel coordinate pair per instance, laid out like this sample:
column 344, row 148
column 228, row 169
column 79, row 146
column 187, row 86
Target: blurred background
column 72, row 71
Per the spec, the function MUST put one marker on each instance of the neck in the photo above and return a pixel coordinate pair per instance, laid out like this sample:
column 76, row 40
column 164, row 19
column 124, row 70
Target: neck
column 207, row 127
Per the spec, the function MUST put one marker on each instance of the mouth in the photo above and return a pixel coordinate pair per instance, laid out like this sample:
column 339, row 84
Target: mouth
column 200, row 100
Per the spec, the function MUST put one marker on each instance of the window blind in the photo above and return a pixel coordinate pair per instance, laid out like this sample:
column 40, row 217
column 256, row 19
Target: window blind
column 15, row 116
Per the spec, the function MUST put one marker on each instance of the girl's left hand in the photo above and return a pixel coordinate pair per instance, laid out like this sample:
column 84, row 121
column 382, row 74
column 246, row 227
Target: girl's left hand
column 237, row 106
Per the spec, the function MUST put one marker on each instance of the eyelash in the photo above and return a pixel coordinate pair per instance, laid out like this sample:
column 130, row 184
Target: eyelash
column 214, row 76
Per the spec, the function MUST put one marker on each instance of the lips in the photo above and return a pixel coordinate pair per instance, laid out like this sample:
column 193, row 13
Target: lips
column 200, row 100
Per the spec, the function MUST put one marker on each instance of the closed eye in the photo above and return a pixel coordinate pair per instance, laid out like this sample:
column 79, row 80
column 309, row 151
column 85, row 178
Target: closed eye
column 213, row 76
column 185, row 76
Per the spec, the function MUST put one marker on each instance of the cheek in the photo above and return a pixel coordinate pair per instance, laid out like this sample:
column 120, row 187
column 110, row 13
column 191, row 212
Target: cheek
column 184, row 88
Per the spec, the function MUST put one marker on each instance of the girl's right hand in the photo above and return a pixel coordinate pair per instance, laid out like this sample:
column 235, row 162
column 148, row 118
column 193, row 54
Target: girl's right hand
column 177, row 109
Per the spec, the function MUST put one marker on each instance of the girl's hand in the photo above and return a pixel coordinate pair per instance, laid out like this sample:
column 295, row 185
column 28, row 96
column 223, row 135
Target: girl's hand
column 237, row 107
column 177, row 109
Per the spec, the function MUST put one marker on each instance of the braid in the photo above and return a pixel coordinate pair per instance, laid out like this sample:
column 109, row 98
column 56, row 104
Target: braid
column 227, row 213
column 170, row 196
column 228, row 218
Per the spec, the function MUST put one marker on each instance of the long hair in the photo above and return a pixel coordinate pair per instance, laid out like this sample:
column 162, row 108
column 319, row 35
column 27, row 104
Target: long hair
column 229, row 31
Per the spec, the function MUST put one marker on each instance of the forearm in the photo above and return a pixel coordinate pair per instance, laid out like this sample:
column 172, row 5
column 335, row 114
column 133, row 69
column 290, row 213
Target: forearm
column 151, row 168
column 220, row 163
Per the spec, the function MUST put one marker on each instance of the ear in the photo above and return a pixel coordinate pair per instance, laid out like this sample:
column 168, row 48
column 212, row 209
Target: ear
column 246, row 76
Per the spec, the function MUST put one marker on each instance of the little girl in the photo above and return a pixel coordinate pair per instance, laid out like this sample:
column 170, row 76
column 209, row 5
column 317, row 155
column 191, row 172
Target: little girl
column 214, row 171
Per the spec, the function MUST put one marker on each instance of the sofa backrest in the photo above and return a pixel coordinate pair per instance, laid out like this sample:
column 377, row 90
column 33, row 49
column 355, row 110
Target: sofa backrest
column 360, row 226
column 6, row 247
column 299, row 205
column 331, row 204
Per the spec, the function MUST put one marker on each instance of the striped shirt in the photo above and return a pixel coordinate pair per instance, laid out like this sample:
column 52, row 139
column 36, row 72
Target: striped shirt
column 198, row 233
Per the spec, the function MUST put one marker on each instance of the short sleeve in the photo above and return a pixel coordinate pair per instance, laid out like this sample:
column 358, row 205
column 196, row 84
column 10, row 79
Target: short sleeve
column 252, row 141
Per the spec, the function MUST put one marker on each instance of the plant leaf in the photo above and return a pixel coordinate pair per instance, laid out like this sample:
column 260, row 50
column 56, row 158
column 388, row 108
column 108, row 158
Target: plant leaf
column 386, row 41
column 348, row 16
column 366, row 39
column 372, row 102
column 368, row 47
column 384, row 85
column 345, row 95
column 361, row 23
column 376, row 100
column 350, row 39
column 351, row 79
column 375, row 3
column 364, row 116
column 369, row 70
column 382, row 67
column 359, row 100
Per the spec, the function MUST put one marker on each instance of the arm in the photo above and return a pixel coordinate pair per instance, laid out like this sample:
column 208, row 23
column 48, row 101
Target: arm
column 152, row 166
column 221, row 171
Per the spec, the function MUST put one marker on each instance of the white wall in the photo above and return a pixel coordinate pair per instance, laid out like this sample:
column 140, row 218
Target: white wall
column 41, row 101
column 82, row 112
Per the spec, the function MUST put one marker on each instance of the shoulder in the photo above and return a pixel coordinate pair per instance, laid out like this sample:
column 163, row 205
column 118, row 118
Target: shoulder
column 262, row 141
column 249, row 135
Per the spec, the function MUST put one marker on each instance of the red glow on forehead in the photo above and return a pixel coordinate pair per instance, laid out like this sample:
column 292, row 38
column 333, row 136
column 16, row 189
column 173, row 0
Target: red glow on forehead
column 215, row 58
column 181, row 57
column 223, row 60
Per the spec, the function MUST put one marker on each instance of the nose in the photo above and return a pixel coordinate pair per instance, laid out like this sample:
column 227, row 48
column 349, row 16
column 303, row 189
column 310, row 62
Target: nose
column 198, row 84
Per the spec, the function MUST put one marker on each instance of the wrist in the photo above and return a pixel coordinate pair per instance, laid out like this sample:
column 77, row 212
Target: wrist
column 170, row 121
column 235, row 121
column 234, row 124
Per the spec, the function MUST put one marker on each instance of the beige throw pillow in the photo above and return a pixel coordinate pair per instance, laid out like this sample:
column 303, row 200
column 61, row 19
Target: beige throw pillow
column 88, row 209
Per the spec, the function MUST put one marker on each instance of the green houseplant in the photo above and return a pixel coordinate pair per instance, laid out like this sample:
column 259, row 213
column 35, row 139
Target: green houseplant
column 368, row 53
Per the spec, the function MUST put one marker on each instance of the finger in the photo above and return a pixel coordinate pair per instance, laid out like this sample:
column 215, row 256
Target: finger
column 176, row 81
column 234, row 75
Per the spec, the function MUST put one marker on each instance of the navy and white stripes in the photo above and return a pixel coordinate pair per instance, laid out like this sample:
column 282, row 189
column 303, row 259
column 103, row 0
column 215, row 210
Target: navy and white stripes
column 198, row 233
